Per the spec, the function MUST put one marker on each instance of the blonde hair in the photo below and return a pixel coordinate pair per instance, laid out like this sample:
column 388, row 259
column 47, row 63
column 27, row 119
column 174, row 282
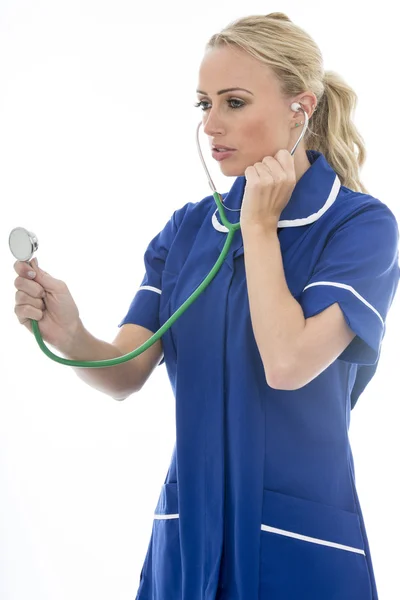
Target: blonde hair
column 297, row 62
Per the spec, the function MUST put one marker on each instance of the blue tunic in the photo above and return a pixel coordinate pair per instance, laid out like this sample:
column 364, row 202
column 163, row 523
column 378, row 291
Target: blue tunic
column 260, row 502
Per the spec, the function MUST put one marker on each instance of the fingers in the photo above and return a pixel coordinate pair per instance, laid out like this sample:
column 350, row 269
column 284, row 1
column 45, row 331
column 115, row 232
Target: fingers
column 286, row 160
column 21, row 267
column 280, row 168
column 275, row 168
column 31, row 288
column 21, row 299
column 28, row 307
column 29, row 303
column 28, row 311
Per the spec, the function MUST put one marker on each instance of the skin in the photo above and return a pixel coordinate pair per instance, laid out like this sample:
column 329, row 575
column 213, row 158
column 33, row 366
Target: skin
column 265, row 123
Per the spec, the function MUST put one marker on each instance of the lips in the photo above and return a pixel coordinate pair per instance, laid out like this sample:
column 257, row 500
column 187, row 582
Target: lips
column 222, row 155
column 222, row 148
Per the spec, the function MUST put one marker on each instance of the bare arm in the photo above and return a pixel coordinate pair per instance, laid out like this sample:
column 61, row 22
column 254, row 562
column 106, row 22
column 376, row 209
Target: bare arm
column 121, row 380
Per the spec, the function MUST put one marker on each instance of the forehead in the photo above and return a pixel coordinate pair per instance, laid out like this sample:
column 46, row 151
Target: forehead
column 227, row 67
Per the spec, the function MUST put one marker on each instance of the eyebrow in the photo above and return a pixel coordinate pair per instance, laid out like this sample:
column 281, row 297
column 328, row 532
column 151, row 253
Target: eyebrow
column 227, row 90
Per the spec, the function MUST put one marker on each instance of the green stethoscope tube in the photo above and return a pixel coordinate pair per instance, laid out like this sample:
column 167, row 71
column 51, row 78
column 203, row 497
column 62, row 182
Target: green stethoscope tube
column 120, row 359
column 232, row 227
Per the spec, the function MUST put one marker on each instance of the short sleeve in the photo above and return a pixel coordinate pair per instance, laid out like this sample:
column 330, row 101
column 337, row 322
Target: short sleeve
column 359, row 269
column 145, row 306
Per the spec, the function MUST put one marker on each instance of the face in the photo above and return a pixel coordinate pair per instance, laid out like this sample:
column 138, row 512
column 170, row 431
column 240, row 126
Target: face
column 257, row 122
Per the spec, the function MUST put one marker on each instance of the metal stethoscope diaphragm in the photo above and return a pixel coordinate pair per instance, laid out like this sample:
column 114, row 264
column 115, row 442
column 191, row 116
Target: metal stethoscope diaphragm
column 23, row 244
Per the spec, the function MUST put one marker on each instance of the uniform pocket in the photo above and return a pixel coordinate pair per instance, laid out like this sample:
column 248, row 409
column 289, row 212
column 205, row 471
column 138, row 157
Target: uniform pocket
column 311, row 550
column 161, row 577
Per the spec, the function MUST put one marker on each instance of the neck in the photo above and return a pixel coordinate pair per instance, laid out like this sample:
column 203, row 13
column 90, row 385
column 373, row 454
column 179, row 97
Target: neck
column 301, row 162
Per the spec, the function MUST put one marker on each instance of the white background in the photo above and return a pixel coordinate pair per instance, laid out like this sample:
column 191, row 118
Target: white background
column 97, row 149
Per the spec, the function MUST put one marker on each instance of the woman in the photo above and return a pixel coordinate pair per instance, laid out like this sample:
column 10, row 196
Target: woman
column 259, row 501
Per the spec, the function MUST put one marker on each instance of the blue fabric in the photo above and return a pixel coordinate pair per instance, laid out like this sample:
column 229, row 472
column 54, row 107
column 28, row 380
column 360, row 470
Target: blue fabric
column 144, row 308
column 361, row 254
column 260, row 502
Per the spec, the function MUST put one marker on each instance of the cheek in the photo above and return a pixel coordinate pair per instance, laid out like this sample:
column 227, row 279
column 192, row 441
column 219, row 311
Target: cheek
column 259, row 138
column 258, row 130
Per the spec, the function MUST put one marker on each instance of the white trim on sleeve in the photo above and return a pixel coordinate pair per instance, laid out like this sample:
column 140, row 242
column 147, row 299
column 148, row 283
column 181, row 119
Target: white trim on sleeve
column 351, row 289
column 150, row 288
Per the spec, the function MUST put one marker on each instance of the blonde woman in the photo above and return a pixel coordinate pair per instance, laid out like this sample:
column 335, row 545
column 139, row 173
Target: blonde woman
column 259, row 502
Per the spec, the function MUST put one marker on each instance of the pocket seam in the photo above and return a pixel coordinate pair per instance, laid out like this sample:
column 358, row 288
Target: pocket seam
column 314, row 540
column 313, row 520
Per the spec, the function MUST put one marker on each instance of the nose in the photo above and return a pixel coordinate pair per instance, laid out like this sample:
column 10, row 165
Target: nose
column 212, row 125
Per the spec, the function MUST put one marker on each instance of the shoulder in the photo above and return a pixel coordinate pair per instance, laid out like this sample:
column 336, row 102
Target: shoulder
column 194, row 213
column 352, row 203
column 357, row 211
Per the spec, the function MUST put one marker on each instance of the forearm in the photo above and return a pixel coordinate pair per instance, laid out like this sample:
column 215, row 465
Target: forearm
column 277, row 318
column 108, row 380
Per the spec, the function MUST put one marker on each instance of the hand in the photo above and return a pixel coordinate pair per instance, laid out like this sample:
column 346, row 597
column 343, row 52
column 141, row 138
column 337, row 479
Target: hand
column 48, row 301
column 269, row 186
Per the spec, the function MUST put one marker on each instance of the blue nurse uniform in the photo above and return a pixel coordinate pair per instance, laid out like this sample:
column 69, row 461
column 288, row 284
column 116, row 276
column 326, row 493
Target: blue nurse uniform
column 260, row 502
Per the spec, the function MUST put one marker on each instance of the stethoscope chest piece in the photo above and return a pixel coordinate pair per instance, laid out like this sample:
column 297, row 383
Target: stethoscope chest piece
column 23, row 243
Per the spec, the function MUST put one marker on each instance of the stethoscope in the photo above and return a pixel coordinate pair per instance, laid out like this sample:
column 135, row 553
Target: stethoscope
column 24, row 243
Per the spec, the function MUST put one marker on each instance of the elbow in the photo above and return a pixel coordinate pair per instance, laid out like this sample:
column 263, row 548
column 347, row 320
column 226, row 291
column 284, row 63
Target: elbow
column 120, row 398
column 278, row 379
column 287, row 380
column 274, row 379
column 124, row 393
column 124, row 396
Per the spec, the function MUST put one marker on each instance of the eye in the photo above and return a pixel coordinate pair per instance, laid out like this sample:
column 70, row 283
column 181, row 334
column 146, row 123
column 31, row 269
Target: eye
column 202, row 102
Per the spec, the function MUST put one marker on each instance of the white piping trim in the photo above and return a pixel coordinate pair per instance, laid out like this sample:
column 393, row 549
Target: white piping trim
column 217, row 225
column 291, row 534
column 315, row 216
column 306, row 538
column 294, row 222
column 151, row 288
column 351, row 289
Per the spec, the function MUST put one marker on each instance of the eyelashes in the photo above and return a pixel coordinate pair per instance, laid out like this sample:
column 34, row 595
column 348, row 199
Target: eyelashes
column 241, row 103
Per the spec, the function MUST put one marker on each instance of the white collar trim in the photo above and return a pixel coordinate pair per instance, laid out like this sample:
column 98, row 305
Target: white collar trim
column 293, row 222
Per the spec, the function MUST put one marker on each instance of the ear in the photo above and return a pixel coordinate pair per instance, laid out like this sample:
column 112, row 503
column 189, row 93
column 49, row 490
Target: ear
column 308, row 101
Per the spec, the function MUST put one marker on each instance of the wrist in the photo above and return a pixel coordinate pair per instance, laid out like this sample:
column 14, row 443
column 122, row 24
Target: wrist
column 257, row 228
column 73, row 340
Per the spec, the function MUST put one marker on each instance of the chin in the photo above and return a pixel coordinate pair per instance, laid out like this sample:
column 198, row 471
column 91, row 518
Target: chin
column 230, row 170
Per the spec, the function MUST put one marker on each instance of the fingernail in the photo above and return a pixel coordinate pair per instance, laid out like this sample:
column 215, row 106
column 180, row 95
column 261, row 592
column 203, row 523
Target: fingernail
column 31, row 274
